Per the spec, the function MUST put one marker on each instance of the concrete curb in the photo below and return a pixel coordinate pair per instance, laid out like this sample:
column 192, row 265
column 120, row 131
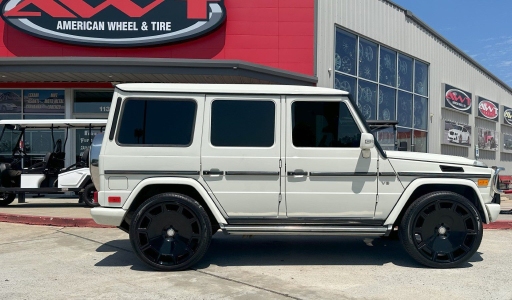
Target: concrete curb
column 51, row 221
column 84, row 222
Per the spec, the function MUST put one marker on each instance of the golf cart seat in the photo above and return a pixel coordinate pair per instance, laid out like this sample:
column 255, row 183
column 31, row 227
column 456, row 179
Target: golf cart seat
column 52, row 162
column 82, row 163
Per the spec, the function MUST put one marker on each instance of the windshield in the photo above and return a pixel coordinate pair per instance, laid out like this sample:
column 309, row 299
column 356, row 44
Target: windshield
column 8, row 142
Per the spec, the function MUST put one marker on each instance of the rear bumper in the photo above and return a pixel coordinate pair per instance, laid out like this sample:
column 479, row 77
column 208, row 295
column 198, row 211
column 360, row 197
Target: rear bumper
column 108, row 216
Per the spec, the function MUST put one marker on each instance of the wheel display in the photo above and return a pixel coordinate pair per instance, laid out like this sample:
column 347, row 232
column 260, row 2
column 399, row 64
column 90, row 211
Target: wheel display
column 6, row 198
column 441, row 230
column 87, row 196
column 170, row 232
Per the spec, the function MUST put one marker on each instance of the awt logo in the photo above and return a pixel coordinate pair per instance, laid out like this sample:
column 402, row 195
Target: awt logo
column 488, row 110
column 458, row 99
column 115, row 22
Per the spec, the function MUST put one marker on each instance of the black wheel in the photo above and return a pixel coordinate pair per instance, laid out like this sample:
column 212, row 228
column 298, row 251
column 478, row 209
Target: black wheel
column 6, row 198
column 87, row 196
column 441, row 230
column 170, row 232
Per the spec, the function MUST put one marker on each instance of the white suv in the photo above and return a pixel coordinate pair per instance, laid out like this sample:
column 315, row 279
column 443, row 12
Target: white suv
column 179, row 162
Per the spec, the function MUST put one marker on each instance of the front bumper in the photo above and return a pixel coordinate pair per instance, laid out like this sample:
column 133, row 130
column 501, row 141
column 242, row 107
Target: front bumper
column 108, row 216
column 493, row 210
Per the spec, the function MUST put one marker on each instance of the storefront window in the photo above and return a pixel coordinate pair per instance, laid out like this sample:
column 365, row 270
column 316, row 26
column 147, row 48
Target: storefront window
column 404, row 139
column 387, row 67
column 10, row 101
column 420, row 141
column 387, row 99
column 345, row 83
column 97, row 102
column 390, row 86
column 367, row 99
column 404, row 109
column 405, row 69
column 368, row 52
column 84, row 138
column 345, row 56
column 386, row 138
column 420, row 112
column 44, row 101
column 421, row 79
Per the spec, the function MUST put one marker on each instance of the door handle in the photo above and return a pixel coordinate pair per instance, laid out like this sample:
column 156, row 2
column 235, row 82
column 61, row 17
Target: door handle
column 213, row 172
column 298, row 173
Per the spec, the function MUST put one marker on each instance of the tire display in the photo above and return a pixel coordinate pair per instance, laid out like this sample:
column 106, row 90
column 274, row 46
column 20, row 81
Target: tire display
column 441, row 230
column 170, row 232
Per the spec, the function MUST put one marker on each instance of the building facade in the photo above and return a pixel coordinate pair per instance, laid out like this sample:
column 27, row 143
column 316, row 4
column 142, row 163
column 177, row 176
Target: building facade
column 61, row 59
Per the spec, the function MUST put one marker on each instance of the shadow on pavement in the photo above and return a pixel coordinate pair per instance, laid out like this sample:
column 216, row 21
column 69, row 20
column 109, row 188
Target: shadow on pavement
column 228, row 251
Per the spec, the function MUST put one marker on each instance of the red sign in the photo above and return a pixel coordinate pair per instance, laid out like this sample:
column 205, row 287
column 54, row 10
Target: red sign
column 488, row 109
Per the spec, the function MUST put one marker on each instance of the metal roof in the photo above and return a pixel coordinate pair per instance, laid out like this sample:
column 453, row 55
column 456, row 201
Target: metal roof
column 130, row 69
column 56, row 123
column 228, row 89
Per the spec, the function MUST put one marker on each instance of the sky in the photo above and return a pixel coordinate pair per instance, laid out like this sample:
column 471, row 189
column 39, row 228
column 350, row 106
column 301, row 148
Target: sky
column 480, row 28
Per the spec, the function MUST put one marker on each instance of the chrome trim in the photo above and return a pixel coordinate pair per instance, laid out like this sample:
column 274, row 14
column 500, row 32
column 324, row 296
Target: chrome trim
column 305, row 230
column 494, row 181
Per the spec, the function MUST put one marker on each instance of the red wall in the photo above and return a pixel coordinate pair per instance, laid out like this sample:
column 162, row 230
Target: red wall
column 275, row 33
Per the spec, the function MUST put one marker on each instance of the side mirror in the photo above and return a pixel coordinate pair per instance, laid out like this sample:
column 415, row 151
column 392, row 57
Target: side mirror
column 367, row 143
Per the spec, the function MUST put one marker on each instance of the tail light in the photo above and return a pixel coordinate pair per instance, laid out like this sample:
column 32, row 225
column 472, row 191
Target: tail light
column 95, row 197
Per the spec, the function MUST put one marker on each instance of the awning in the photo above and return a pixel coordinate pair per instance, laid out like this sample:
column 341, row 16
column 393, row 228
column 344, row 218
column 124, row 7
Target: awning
column 505, row 178
column 131, row 69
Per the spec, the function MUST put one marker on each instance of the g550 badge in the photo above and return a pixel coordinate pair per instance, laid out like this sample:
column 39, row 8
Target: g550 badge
column 115, row 23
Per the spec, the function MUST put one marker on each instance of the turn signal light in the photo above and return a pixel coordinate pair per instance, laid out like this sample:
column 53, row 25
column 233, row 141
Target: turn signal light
column 114, row 199
column 95, row 197
column 483, row 182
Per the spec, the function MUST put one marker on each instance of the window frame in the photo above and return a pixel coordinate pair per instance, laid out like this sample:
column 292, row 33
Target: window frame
column 276, row 122
column 121, row 114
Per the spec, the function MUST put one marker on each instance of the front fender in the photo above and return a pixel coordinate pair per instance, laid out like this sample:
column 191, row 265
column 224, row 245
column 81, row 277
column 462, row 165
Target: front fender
column 402, row 201
column 181, row 181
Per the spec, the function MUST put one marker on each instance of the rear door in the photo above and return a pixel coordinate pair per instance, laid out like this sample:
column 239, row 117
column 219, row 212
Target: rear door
column 240, row 153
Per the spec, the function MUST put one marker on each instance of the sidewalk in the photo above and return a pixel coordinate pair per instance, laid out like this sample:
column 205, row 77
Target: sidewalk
column 65, row 211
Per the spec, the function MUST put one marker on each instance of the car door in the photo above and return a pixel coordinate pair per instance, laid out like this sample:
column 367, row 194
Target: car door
column 241, row 154
column 326, row 175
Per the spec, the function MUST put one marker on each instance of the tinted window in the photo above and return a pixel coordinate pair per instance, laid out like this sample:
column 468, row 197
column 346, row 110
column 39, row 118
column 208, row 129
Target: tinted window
column 323, row 124
column 243, row 123
column 157, row 122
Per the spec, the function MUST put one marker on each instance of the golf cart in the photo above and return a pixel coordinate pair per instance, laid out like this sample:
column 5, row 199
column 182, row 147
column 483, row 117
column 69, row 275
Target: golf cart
column 21, row 174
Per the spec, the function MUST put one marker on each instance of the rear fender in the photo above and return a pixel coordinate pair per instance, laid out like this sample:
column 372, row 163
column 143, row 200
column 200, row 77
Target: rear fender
column 178, row 181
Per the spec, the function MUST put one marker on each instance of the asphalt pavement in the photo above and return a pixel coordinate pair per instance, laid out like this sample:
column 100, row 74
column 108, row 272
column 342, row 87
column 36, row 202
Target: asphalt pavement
column 40, row 262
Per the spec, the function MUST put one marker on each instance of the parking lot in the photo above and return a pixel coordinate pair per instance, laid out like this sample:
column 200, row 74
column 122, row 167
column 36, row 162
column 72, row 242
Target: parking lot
column 61, row 263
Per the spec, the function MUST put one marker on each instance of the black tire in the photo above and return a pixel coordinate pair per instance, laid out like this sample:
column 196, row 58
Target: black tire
column 170, row 232
column 6, row 198
column 441, row 230
column 87, row 195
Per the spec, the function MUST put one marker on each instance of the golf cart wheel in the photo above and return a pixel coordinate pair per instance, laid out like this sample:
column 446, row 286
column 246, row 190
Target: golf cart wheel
column 87, row 196
column 6, row 198
column 441, row 230
column 170, row 232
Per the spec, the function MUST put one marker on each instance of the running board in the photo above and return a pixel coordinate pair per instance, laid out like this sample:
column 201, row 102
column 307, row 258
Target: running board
column 306, row 230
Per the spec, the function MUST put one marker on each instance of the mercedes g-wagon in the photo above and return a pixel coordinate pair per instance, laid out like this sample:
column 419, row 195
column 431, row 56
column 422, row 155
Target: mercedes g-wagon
column 179, row 162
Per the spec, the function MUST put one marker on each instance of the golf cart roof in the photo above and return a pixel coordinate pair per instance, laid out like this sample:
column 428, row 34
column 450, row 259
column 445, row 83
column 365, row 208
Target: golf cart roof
column 56, row 123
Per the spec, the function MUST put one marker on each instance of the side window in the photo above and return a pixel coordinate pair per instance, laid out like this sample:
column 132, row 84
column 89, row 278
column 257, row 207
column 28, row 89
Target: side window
column 323, row 124
column 237, row 123
column 157, row 122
